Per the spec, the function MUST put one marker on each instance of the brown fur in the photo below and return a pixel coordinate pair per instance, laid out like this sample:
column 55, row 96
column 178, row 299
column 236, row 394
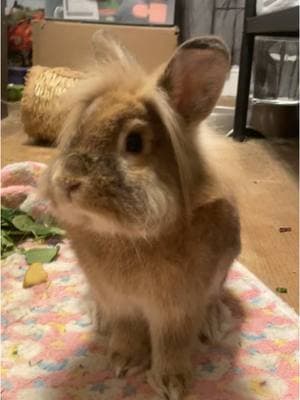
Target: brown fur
column 154, row 232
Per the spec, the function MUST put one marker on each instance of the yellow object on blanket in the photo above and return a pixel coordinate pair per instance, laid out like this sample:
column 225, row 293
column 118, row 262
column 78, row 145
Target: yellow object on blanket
column 35, row 275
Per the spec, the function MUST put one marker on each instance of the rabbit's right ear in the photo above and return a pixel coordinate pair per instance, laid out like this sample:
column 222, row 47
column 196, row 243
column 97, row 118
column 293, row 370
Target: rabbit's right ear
column 108, row 49
column 194, row 77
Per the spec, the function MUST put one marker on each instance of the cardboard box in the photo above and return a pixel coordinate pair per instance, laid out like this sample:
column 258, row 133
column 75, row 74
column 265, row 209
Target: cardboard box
column 60, row 43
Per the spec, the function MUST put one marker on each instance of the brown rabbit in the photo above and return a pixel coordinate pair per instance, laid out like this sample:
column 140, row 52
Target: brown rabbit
column 153, row 231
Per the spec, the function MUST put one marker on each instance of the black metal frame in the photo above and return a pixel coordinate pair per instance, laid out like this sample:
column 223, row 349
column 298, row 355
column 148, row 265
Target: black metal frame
column 3, row 61
column 280, row 23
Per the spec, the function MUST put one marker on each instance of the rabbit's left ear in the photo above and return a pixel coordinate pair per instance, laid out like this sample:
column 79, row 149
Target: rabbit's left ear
column 107, row 49
column 194, row 77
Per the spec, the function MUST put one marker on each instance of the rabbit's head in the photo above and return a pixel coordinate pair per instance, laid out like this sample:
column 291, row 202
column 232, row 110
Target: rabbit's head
column 127, row 161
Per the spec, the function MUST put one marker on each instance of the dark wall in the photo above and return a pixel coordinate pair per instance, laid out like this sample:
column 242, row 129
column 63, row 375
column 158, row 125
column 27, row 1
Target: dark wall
column 219, row 17
column 225, row 18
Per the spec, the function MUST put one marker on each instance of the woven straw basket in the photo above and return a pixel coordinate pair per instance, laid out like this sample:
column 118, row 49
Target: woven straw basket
column 40, row 103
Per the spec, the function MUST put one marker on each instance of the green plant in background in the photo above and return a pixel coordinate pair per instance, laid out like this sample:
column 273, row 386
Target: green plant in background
column 109, row 3
column 14, row 92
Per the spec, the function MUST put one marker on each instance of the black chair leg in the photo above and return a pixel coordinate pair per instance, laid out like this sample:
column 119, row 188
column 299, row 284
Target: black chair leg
column 3, row 61
column 240, row 131
column 242, row 99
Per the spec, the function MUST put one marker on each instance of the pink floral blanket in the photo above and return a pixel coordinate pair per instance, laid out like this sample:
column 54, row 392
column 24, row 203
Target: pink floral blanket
column 50, row 349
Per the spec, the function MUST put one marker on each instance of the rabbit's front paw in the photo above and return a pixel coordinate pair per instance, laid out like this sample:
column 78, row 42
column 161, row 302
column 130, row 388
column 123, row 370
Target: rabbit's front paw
column 170, row 386
column 218, row 322
column 129, row 348
column 129, row 361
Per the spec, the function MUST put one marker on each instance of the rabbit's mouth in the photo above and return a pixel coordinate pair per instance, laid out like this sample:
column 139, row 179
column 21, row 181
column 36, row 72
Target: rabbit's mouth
column 110, row 203
column 72, row 215
column 102, row 223
column 103, row 220
column 72, row 204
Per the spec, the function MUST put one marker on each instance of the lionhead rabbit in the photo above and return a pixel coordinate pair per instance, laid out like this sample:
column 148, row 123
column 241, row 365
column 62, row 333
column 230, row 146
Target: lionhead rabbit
column 152, row 231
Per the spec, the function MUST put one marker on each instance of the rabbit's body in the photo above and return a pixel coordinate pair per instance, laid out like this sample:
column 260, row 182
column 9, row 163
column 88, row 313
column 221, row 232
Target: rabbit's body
column 176, row 269
column 152, row 230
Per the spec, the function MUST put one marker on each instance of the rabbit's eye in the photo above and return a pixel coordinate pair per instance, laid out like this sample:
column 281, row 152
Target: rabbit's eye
column 134, row 143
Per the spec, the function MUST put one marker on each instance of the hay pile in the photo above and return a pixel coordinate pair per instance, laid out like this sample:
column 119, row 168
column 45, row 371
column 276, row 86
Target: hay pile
column 40, row 108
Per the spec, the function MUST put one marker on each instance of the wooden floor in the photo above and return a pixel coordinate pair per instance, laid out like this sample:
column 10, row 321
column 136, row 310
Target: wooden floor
column 264, row 176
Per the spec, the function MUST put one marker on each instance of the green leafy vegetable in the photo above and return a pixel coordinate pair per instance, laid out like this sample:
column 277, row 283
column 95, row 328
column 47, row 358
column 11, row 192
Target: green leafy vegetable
column 7, row 244
column 281, row 290
column 41, row 255
column 26, row 224
column 6, row 241
column 7, row 214
column 17, row 226
column 23, row 223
